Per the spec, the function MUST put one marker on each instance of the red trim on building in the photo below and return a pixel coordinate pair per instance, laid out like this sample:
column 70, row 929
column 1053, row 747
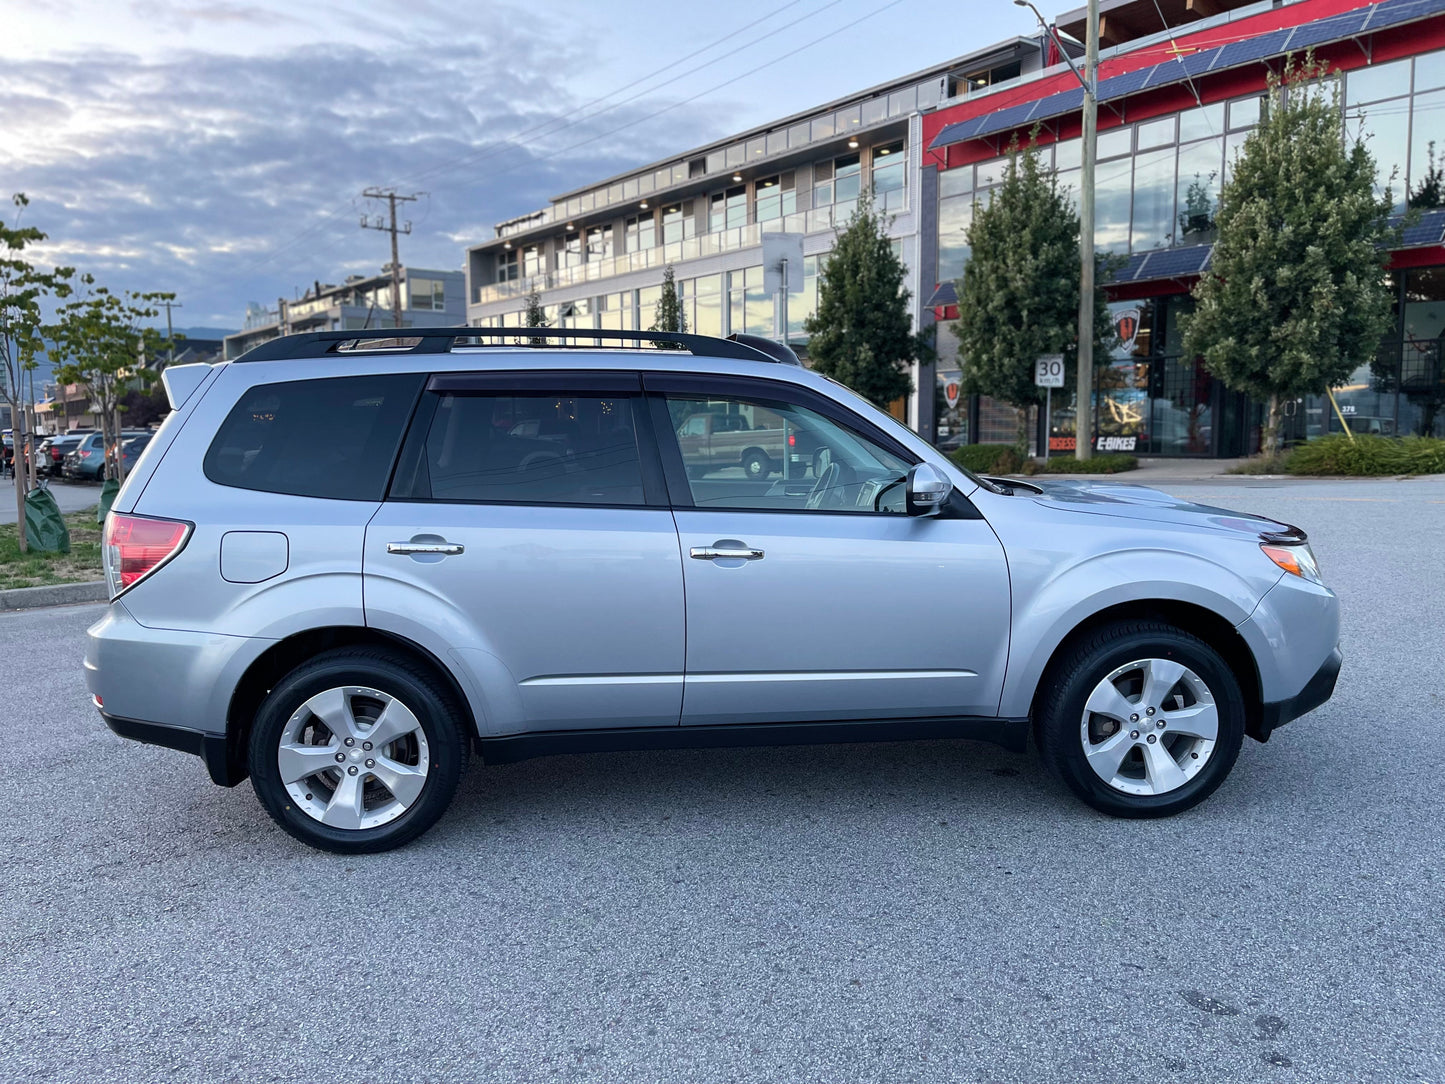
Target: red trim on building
column 1388, row 44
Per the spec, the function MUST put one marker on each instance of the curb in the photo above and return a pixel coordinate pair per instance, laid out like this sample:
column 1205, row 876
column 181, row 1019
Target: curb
column 60, row 594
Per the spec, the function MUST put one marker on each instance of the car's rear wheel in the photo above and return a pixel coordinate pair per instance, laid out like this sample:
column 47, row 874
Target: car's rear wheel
column 757, row 465
column 357, row 751
column 1141, row 719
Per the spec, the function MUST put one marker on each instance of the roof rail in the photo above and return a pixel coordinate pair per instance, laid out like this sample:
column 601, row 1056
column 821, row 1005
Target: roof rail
column 439, row 340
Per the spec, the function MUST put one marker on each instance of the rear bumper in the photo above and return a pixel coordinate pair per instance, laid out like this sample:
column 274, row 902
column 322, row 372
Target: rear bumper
column 1316, row 691
column 211, row 748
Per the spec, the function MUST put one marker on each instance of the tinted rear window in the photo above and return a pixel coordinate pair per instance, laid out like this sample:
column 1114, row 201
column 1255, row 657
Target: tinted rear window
column 331, row 438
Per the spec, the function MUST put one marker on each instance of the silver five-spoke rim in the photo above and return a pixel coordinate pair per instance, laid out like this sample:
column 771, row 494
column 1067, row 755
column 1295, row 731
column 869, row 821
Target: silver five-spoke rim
column 1149, row 727
column 353, row 758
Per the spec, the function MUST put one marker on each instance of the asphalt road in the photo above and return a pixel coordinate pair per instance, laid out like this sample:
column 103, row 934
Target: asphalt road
column 70, row 496
column 928, row 912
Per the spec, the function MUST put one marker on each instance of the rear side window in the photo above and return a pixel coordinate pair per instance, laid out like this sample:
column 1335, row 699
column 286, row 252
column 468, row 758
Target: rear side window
column 332, row 438
column 530, row 448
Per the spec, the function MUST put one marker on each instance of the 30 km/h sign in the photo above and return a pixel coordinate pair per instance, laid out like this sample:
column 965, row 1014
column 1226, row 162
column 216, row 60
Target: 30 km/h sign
column 1049, row 371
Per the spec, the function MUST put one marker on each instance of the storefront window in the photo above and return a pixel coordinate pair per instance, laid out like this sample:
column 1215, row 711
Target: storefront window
column 1385, row 128
column 954, row 217
column 1200, row 165
column 1112, row 192
column 1427, row 151
column 709, row 305
column 1153, row 200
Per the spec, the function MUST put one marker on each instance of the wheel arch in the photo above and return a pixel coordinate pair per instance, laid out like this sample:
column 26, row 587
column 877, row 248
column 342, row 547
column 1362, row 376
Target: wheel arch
column 1189, row 617
column 285, row 655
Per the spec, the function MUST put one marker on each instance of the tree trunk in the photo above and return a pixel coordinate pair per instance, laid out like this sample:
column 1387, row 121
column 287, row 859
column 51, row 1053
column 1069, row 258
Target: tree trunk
column 1021, row 440
column 21, row 488
column 1269, row 445
column 119, row 449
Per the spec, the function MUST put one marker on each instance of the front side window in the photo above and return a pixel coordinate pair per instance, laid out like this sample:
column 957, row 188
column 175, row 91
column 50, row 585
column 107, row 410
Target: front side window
column 530, row 448
column 332, row 438
column 767, row 455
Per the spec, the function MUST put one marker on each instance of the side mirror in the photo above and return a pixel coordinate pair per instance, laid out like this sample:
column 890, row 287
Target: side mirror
column 928, row 487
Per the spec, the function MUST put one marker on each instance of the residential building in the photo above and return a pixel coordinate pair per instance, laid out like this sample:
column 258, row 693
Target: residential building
column 1175, row 108
column 596, row 255
column 430, row 298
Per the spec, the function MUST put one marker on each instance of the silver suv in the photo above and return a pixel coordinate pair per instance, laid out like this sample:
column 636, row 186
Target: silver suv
column 347, row 561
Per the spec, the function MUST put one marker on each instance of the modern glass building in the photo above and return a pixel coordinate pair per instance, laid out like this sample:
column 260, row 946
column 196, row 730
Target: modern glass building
column 1175, row 108
column 597, row 255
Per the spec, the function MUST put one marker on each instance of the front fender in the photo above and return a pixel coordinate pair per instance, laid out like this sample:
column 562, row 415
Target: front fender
column 1049, row 603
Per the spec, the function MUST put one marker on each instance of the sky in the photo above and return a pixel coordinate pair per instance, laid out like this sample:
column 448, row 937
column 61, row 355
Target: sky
column 218, row 148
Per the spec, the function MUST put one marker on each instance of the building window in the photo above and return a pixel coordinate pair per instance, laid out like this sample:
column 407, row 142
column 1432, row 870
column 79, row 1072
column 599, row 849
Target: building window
column 532, row 261
column 599, row 243
column 641, row 233
column 570, row 254
column 677, row 223
column 729, row 209
column 890, row 168
column 774, row 197
column 508, row 267
column 428, row 295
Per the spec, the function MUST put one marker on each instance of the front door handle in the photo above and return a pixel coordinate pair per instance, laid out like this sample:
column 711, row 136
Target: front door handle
column 735, row 552
column 445, row 549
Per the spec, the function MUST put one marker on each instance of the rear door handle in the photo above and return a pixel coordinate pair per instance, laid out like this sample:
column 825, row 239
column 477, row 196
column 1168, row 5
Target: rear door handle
column 446, row 549
column 737, row 553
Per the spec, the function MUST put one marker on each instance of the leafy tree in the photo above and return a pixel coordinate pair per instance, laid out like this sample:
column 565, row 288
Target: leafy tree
column 1295, row 296
column 535, row 316
column 22, row 289
column 1430, row 192
column 1019, row 296
column 668, row 316
column 105, row 341
column 861, row 334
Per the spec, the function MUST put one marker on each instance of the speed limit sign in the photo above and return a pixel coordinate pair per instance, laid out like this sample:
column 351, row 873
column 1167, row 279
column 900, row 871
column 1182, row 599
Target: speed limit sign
column 1049, row 371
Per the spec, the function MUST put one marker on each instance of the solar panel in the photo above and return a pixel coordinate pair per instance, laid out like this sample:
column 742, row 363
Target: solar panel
column 1325, row 30
column 1242, row 52
column 945, row 294
column 1172, row 262
column 1127, row 272
column 1429, row 230
column 1119, row 85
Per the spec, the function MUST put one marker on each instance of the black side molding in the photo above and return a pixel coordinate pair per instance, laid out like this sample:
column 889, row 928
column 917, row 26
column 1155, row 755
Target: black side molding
column 1012, row 734
column 1320, row 688
column 211, row 748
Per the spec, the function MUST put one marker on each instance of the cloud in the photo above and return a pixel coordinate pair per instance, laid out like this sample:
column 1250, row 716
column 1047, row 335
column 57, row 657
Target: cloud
column 228, row 178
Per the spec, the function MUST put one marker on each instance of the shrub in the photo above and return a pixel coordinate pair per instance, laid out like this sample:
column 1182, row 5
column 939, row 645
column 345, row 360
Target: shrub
column 1367, row 455
column 988, row 458
column 1004, row 459
column 1108, row 463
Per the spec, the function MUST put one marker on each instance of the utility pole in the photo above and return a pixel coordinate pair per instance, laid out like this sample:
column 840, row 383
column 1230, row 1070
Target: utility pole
column 1084, row 409
column 1084, row 405
column 381, row 223
column 170, row 332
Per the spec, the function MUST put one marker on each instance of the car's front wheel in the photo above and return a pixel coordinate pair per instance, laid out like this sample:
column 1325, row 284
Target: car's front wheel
column 1141, row 719
column 357, row 751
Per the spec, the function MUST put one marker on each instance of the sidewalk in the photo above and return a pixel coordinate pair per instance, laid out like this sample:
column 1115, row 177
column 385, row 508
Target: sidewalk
column 70, row 496
column 1159, row 471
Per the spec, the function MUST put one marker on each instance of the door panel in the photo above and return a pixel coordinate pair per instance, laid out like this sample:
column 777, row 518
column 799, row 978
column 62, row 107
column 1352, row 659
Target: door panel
column 843, row 617
column 567, row 617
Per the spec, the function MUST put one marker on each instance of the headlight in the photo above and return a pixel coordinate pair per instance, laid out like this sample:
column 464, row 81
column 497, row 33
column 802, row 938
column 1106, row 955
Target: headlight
column 1298, row 560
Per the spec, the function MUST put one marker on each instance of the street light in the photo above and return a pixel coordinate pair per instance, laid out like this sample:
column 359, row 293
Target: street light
column 1089, row 79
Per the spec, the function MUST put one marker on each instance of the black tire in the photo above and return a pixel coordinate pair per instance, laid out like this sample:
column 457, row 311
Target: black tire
column 1071, row 681
column 441, row 719
column 756, row 464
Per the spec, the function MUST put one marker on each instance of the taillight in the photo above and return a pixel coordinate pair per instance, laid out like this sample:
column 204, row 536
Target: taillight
column 792, row 439
column 135, row 546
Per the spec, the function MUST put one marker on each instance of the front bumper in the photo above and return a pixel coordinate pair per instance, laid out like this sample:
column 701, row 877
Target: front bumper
column 1316, row 691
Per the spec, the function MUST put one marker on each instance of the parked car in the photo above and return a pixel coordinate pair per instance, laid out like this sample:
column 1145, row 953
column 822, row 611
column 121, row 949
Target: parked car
column 50, row 455
column 131, row 449
column 86, row 461
column 340, row 569
column 760, row 441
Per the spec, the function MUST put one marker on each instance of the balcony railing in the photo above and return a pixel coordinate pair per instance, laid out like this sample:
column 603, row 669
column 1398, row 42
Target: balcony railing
column 818, row 220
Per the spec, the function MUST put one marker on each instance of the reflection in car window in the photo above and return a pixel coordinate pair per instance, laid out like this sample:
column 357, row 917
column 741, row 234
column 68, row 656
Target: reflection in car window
column 760, row 454
column 546, row 449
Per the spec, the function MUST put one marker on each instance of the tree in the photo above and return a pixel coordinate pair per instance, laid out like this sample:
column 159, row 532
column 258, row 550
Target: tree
column 668, row 316
column 1295, row 296
column 535, row 316
column 1430, row 192
column 22, row 288
column 1019, row 296
column 861, row 334
column 105, row 341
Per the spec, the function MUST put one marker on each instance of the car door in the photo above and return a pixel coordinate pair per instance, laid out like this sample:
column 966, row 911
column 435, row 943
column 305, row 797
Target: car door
column 527, row 539
column 820, row 598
